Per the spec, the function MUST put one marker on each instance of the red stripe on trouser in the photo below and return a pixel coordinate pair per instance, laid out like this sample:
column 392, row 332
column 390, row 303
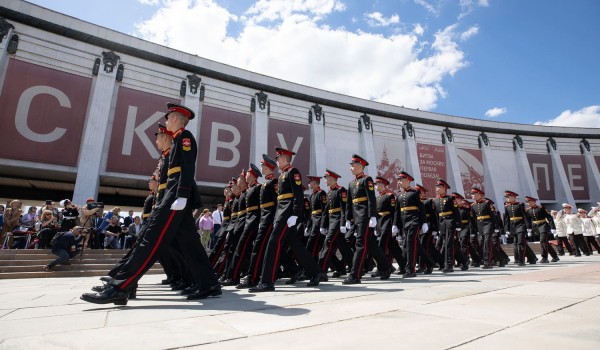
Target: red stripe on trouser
column 414, row 260
column 235, row 270
column 152, row 252
column 324, row 267
column 362, row 258
column 218, row 253
column 277, row 254
column 315, row 246
column 262, row 249
column 223, row 263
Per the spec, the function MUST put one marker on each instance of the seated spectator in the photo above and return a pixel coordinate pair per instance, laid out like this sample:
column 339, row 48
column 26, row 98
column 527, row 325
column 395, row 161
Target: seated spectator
column 134, row 231
column 12, row 216
column 30, row 218
column 47, row 227
column 112, row 234
column 70, row 215
column 65, row 247
column 49, row 205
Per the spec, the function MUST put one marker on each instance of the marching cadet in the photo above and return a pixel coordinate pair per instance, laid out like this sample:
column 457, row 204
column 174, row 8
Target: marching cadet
column 317, row 200
column 561, row 232
column 289, row 206
column 484, row 213
column 410, row 218
column 448, row 220
column 268, row 198
column 221, row 236
column 241, row 257
column 589, row 231
column 542, row 221
column 574, row 230
column 386, row 207
column 516, row 223
column 225, row 257
column 240, row 223
column 469, row 243
column 426, row 238
column 173, row 221
column 361, row 209
column 332, row 225
column 501, row 256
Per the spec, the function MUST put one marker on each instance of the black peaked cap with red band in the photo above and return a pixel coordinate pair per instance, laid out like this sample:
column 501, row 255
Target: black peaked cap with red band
column 174, row 107
column 282, row 151
column 405, row 175
column 332, row 174
column 358, row 159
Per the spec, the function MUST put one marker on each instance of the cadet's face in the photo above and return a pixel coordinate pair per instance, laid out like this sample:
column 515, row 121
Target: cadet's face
column 423, row 195
column 250, row 178
column 510, row 199
column 282, row 162
column 356, row 168
column 152, row 185
column 476, row 196
column 330, row 180
column 567, row 210
column 440, row 190
column 380, row 187
column 404, row 183
column 312, row 185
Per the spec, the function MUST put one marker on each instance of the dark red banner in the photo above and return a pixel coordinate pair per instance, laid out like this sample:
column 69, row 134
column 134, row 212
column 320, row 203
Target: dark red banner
column 543, row 176
column 295, row 137
column 598, row 162
column 432, row 163
column 132, row 143
column 224, row 145
column 471, row 169
column 43, row 113
column 576, row 175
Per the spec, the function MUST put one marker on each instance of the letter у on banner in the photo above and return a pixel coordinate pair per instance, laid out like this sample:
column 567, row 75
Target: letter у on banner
column 295, row 137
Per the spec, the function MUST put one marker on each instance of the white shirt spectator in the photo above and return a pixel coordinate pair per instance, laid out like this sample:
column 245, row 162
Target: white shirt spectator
column 217, row 217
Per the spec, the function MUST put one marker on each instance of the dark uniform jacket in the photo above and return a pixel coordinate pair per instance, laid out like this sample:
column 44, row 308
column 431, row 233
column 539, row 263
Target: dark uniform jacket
column 318, row 201
column 235, row 208
column 182, row 169
column 429, row 207
column 515, row 218
column 361, row 204
column 409, row 209
column 446, row 213
column 290, row 198
column 253, row 205
column 268, row 200
column 226, row 214
column 467, row 220
column 148, row 205
column 539, row 219
column 163, row 168
column 485, row 215
column 386, row 208
column 334, row 213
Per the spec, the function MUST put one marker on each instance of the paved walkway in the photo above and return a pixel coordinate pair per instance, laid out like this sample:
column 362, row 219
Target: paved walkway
column 554, row 306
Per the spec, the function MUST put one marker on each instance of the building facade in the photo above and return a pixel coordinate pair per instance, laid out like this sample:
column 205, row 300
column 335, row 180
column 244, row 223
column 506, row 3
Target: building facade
column 81, row 104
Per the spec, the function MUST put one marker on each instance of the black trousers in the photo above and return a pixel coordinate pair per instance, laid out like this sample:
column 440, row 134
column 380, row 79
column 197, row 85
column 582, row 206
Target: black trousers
column 389, row 246
column 559, row 245
column 334, row 240
column 275, row 247
column 488, row 249
column 591, row 243
column 258, row 252
column 520, row 244
column 365, row 242
column 546, row 247
column 580, row 245
column 431, row 250
column 314, row 244
column 241, row 257
column 168, row 226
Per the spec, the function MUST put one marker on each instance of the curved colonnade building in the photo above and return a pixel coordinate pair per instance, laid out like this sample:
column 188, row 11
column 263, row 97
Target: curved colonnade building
column 80, row 105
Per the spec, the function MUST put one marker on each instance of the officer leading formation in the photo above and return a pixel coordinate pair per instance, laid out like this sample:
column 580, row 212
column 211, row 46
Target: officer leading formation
column 269, row 231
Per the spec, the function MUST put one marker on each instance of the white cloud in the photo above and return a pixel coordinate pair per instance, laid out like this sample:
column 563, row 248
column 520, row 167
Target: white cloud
column 418, row 29
column 289, row 40
column 430, row 8
column 149, row 2
column 464, row 36
column 494, row 112
column 587, row 117
column 468, row 6
column 376, row 19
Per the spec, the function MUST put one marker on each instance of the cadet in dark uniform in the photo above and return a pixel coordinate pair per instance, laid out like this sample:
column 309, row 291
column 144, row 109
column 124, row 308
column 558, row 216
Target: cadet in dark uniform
column 469, row 243
column 332, row 225
column 410, row 219
column 241, row 258
column 426, row 238
column 317, row 200
column 361, row 208
column 221, row 236
column 289, row 206
column 448, row 220
column 268, row 200
column 515, row 224
column 173, row 221
column 386, row 208
column 485, row 214
column 543, row 222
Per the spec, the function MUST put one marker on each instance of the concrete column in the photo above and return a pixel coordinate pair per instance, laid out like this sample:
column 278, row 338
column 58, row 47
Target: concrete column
column 592, row 171
column 490, row 178
column 562, row 189
column 528, row 184
column 260, row 121
column 453, row 177
column 318, row 151
column 104, row 87
column 412, row 154
column 367, row 147
column 192, row 101
column 3, row 53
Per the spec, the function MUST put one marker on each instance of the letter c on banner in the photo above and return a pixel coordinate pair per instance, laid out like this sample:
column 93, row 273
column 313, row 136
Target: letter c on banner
column 23, row 112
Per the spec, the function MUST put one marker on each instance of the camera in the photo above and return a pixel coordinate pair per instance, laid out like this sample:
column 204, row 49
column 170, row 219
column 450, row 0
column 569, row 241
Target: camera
column 95, row 205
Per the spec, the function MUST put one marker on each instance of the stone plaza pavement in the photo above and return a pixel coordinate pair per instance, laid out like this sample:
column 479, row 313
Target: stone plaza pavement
column 553, row 306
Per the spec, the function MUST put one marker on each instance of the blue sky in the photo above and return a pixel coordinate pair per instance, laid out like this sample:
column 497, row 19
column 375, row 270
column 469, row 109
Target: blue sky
column 521, row 61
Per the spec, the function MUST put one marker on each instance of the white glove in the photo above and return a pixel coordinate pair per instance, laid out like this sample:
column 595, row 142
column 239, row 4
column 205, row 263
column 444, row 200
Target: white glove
column 343, row 229
column 507, row 233
column 472, row 236
column 291, row 221
column 434, row 233
column 458, row 229
column 395, row 230
column 496, row 231
column 348, row 225
column 553, row 231
column 323, row 231
column 179, row 203
column 306, row 231
column 373, row 221
column 529, row 233
column 424, row 227
column 399, row 239
column 506, row 236
column 376, row 233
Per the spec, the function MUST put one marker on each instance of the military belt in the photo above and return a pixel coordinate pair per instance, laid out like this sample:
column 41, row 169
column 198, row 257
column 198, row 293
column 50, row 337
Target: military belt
column 464, row 221
column 266, row 205
column 409, row 208
column 335, row 210
column 537, row 222
column 145, row 215
column 285, row 196
column 226, row 217
column 515, row 218
column 315, row 212
column 173, row 170
column 384, row 213
column 233, row 215
column 241, row 212
column 252, row 208
column 162, row 186
column 445, row 213
column 483, row 217
column 360, row 199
